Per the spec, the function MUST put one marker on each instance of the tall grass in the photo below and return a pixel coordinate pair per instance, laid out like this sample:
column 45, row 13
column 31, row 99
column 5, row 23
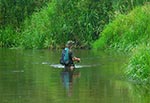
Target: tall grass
column 9, row 37
column 126, row 31
column 138, row 67
column 50, row 23
column 125, row 6
column 59, row 21
column 131, row 33
column 36, row 32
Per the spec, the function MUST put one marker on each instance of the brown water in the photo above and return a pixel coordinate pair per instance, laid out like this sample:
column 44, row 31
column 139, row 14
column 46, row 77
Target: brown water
column 32, row 76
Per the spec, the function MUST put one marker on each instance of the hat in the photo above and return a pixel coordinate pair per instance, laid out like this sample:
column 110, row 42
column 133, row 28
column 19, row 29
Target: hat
column 70, row 43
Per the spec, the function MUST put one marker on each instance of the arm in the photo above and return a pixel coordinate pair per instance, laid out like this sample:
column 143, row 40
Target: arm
column 76, row 59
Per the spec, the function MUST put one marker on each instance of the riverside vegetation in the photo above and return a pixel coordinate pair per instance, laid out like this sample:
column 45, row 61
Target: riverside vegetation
column 130, row 33
column 45, row 24
column 100, row 24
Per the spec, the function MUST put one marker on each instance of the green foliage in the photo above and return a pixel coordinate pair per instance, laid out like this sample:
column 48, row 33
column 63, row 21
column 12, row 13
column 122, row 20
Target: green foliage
column 126, row 31
column 8, row 37
column 59, row 21
column 80, row 20
column 125, row 6
column 13, row 12
column 130, row 33
column 36, row 31
column 138, row 66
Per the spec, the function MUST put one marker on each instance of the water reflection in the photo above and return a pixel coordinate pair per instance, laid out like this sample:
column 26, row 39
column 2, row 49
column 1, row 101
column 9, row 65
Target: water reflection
column 142, row 91
column 24, row 79
column 68, row 77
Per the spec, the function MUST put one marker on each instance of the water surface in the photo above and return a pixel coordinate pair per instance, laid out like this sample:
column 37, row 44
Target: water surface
column 35, row 76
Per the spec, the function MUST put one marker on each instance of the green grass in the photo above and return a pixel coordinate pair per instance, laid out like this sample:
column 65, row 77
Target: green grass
column 9, row 37
column 138, row 67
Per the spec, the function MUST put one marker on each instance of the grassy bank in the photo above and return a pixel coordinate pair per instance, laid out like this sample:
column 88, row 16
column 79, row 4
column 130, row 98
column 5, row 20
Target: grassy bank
column 138, row 67
column 130, row 33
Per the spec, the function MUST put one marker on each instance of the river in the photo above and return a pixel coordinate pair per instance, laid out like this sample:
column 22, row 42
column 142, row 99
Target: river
column 35, row 76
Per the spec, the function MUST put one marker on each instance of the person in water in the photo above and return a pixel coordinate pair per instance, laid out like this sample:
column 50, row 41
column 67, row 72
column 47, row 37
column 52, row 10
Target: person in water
column 71, row 58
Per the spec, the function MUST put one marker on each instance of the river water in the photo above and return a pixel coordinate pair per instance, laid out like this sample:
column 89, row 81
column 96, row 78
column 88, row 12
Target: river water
column 35, row 76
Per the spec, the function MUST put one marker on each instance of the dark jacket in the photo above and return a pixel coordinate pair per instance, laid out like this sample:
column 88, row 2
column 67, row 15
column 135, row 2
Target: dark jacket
column 70, row 58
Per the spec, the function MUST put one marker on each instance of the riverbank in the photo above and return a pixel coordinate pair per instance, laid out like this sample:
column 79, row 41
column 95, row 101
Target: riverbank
column 130, row 33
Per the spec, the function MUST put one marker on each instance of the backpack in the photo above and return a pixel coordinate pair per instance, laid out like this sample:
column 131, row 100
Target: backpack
column 64, row 60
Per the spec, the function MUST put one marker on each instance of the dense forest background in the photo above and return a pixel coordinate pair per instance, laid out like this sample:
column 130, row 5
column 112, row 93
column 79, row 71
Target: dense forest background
column 50, row 23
